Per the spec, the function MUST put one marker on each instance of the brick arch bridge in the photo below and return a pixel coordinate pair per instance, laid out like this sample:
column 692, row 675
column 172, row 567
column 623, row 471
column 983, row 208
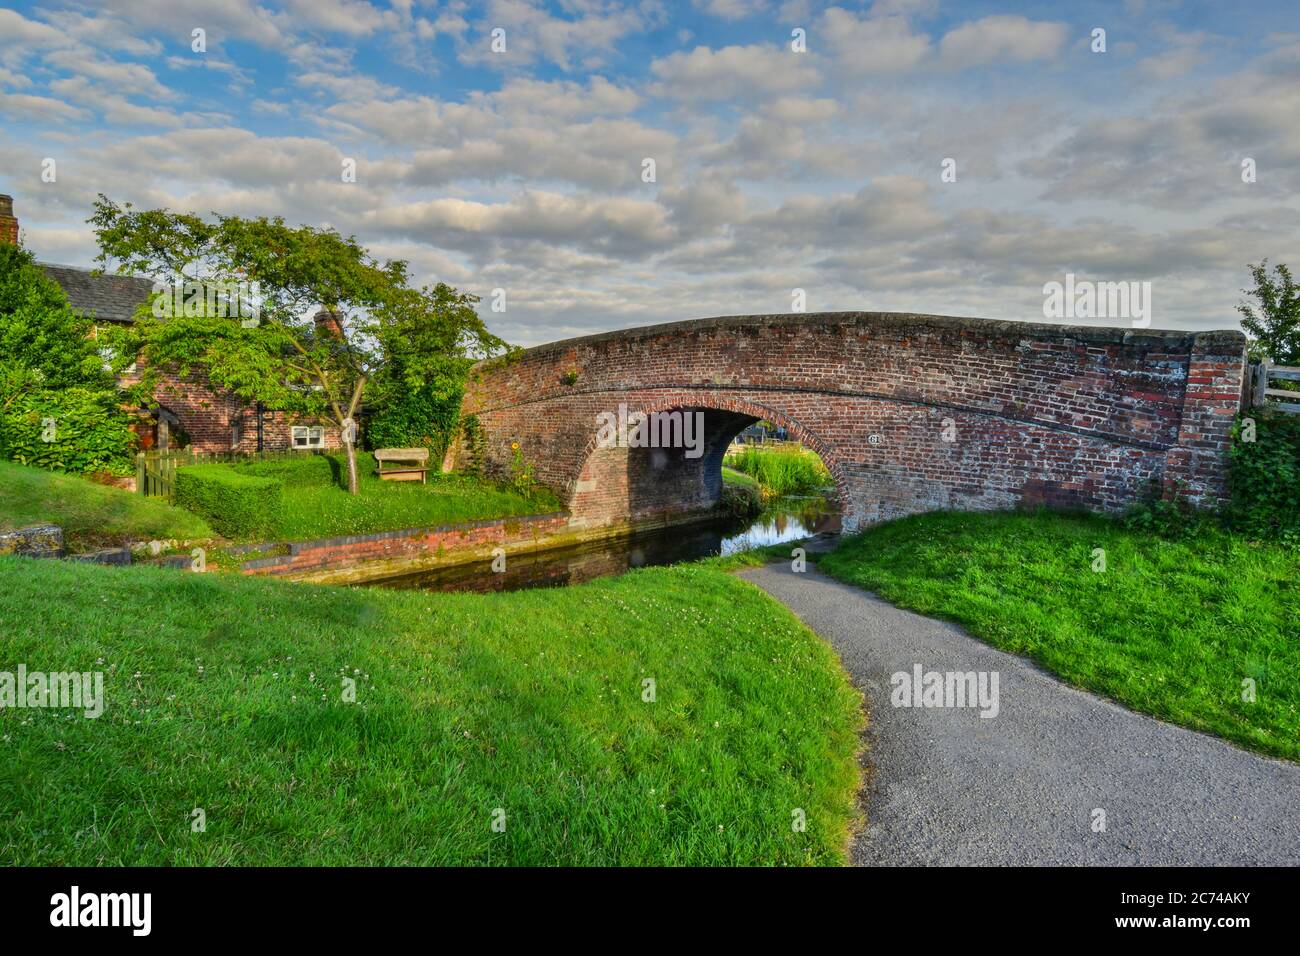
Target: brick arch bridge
column 911, row 413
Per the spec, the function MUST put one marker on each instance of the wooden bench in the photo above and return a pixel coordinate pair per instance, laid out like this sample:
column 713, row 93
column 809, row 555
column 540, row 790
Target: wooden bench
column 413, row 464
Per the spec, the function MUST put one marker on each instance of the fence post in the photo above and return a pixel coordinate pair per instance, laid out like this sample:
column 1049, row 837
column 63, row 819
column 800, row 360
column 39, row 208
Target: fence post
column 1261, row 383
column 139, row 473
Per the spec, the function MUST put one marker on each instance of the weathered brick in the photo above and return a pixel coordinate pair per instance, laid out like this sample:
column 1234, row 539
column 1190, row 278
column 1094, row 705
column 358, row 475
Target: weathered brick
column 1076, row 417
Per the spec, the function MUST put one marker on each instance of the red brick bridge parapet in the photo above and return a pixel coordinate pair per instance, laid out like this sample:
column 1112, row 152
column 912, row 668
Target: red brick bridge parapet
column 910, row 413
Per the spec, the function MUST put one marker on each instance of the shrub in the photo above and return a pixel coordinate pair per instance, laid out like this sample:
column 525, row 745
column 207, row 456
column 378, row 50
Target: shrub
column 474, row 445
column 740, row 501
column 88, row 429
column 299, row 471
column 423, row 418
column 1265, row 476
column 236, row 504
column 1167, row 518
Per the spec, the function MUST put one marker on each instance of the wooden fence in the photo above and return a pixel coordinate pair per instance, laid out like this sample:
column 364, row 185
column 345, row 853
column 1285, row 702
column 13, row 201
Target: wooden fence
column 155, row 471
column 1262, row 375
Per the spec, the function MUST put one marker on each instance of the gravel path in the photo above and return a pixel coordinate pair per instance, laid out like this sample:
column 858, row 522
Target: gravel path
column 950, row 787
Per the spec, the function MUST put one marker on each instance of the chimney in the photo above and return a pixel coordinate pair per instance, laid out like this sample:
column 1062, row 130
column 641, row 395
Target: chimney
column 8, row 224
column 329, row 323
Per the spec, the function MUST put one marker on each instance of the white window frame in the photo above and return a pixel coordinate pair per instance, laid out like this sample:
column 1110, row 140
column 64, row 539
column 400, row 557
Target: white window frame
column 314, row 436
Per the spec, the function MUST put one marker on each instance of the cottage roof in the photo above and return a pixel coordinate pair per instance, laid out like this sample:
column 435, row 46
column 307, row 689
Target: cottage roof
column 105, row 298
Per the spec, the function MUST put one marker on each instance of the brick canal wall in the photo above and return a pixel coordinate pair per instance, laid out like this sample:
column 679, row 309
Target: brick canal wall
column 911, row 413
column 410, row 546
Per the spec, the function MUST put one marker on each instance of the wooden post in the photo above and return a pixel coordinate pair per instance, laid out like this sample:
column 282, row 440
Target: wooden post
column 1261, row 383
column 139, row 472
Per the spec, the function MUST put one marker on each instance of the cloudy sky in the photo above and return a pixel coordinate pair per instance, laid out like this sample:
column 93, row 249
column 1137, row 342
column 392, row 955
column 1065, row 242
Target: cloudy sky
column 774, row 169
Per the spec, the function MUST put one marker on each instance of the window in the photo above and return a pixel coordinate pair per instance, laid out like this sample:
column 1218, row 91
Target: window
column 308, row 436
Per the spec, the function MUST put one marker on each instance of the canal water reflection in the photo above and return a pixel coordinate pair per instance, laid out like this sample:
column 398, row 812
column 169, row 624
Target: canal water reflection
column 784, row 519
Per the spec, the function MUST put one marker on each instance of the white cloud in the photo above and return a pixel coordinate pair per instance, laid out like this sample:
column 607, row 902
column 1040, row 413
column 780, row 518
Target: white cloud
column 1001, row 41
column 732, row 72
column 126, row 79
column 24, row 106
column 532, row 33
column 16, row 80
column 221, row 19
column 872, row 46
column 103, row 32
column 113, row 108
column 17, row 31
column 355, row 17
column 618, row 226
column 732, row 9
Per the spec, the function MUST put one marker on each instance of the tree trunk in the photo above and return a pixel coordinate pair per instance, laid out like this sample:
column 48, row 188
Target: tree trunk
column 352, row 466
column 348, row 432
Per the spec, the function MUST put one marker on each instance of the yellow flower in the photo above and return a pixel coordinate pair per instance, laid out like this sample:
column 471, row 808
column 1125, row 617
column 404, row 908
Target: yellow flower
column 514, row 445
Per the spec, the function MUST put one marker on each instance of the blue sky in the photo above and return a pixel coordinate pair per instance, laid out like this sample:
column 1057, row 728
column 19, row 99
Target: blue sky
column 775, row 170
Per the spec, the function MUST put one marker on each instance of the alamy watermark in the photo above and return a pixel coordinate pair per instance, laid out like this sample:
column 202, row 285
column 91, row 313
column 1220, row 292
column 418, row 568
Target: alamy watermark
column 75, row 908
column 1085, row 299
column 220, row 299
column 41, row 690
column 676, row 429
column 945, row 689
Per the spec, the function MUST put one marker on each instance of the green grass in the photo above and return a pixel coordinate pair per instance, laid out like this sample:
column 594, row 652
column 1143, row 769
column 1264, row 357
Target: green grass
column 316, row 504
column 223, row 693
column 784, row 470
column 1170, row 628
column 90, row 514
column 732, row 477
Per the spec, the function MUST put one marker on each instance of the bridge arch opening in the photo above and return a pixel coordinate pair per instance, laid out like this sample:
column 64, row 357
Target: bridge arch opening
column 641, row 478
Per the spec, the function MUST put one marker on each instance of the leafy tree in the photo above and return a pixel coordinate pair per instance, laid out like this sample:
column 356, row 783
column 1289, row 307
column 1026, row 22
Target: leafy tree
column 59, row 408
column 386, row 330
column 421, row 417
column 42, row 340
column 1273, row 324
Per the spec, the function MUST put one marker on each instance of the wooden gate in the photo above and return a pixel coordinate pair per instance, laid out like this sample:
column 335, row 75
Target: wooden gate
column 1263, row 375
column 155, row 472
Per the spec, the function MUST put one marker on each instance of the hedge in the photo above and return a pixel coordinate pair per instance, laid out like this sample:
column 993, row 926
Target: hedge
column 299, row 471
column 72, row 429
column 236, row 505
column 1265, row 476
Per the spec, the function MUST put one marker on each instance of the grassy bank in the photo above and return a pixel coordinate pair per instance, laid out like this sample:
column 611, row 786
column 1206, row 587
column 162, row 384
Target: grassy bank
column 90, row 514
column 316, row 504
column 732, row 477
column 225, row 694
column 1169, row 628
column 781, row 470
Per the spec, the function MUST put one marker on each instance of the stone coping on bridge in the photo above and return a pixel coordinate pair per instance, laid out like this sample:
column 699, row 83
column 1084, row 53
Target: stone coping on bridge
column 1095, row 334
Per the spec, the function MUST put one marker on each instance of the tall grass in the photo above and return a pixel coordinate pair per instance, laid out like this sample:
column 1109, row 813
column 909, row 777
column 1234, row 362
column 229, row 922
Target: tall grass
column 782, row 471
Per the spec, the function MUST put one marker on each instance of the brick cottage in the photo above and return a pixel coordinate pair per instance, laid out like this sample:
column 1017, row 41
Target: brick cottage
column 187, row 411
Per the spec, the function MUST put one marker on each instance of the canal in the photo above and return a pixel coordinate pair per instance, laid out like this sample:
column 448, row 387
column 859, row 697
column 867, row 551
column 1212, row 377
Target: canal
column 783, row 519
